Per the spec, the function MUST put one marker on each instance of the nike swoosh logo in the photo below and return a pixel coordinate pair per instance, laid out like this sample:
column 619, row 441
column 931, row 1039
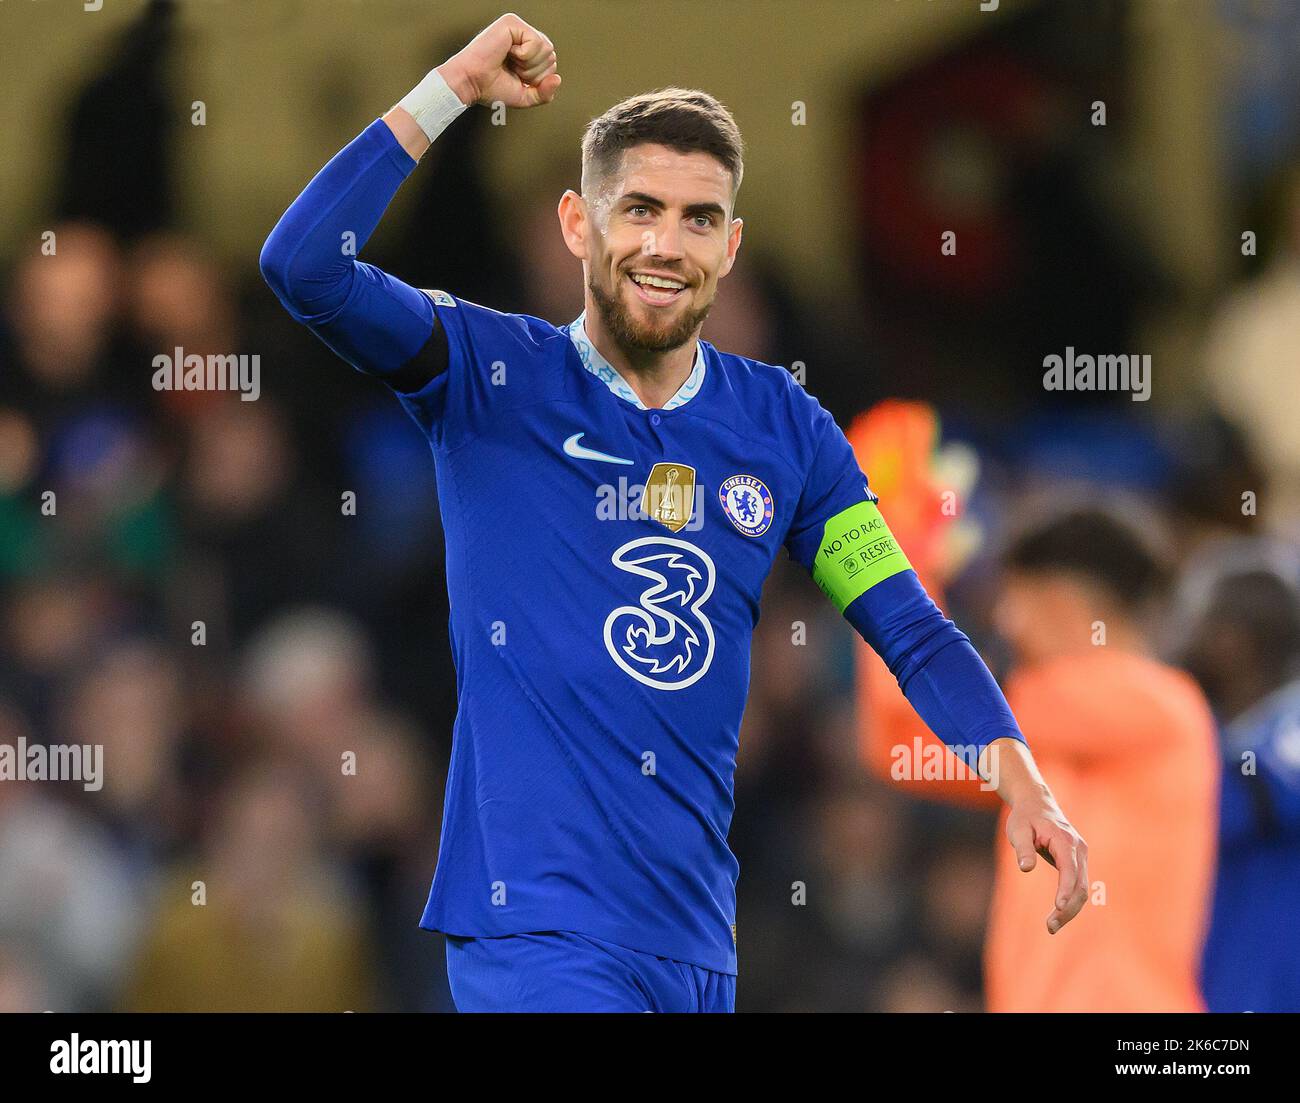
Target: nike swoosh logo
column 578, row 452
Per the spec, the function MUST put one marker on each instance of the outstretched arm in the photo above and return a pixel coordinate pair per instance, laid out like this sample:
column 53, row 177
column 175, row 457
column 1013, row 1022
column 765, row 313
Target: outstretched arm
column 951, row 689
column 840, row 535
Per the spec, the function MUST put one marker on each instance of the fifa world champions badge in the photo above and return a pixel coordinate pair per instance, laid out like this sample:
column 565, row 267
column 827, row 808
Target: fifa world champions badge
column 747, row 503
column 670, row 495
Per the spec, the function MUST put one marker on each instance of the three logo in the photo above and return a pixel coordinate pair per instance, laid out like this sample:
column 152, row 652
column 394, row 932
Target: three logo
column 664, row 641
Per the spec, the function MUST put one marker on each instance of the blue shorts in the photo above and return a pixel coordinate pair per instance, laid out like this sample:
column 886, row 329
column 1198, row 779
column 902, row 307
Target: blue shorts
column 565, row 971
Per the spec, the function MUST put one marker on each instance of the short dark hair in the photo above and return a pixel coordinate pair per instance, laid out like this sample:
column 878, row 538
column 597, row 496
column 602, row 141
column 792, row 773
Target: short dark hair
column 684, row 119
column 1097, row 546
column 1266, row 610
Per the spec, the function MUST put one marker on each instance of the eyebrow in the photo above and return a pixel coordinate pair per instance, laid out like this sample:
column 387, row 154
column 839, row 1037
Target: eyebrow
column 691, row 209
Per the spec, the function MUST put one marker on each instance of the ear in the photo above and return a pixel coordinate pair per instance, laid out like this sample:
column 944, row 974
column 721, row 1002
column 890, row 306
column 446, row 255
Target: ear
column 574, row 224
column 733, row 243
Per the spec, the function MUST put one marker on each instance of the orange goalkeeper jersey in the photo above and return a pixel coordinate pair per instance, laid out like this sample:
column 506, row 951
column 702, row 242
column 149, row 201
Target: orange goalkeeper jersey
column 1128, row 747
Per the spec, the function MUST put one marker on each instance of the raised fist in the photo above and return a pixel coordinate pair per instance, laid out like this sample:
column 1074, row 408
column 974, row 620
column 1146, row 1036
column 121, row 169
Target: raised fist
column 508, row 61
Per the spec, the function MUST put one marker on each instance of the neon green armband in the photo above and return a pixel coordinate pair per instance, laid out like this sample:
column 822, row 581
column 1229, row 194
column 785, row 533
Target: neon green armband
column 856, row 552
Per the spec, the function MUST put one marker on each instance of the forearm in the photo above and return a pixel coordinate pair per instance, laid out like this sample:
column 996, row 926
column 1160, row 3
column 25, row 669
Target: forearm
column 415, row 143
column 374, row 321
column 938, row 670
column 309, row 259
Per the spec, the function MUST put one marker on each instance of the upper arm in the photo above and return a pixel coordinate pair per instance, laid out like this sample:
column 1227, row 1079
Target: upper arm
column 837, row 532
column 374, row 321
column 382, row 327
column 489, row 360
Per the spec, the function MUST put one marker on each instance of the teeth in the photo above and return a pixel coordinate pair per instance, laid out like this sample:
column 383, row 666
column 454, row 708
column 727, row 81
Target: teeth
column 657, row 281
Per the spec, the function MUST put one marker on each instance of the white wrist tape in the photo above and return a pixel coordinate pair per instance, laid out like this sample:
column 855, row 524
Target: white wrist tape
column 432, row 104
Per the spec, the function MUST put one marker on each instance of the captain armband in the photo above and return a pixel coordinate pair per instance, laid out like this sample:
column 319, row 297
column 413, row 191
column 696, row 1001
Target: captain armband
column 857, row 551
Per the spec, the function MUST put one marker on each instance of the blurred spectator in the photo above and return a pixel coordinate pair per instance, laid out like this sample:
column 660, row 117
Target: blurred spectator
column 552, row 278
column 308, row 678
column 916, row 984
column 117, row 169
column 61, row 317
column 256, row 529
column 131, row 703
column 22, row 985
column 856, row 917
column 53, row 623
column 177, row 298
column 1245, row 651
column 69, row 914
column 1252, row 363
column 271, row 927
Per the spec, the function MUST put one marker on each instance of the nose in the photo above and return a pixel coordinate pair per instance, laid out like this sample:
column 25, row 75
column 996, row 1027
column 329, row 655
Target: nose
column 667, row 241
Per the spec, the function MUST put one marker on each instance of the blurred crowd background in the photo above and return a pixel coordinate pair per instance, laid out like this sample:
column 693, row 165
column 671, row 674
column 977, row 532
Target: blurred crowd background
column 323, row 633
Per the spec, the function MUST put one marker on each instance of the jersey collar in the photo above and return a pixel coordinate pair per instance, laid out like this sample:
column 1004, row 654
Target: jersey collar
column 603, row 370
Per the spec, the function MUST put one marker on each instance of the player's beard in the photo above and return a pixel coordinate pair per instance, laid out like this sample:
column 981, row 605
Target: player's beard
column 626, row 332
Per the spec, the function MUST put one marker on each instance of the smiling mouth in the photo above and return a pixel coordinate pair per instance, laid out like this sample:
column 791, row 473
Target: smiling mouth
column 656, row 290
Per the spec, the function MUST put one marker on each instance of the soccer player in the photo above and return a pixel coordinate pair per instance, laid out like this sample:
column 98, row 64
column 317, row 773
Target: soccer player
column 602, row 645
column 1132, row 741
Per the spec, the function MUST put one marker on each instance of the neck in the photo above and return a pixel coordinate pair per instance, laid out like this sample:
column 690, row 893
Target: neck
column 1121, row 635
column 654, row 376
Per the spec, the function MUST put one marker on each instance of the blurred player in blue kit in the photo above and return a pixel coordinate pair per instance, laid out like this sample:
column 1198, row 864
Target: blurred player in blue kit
column 602, row 659
column 1244, row 649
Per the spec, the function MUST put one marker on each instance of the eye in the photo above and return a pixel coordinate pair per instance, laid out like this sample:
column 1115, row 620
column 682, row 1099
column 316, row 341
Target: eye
column 703, row 221
column 638, row 210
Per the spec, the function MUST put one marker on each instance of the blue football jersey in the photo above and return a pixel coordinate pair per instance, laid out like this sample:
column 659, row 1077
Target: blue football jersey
column 604, row 567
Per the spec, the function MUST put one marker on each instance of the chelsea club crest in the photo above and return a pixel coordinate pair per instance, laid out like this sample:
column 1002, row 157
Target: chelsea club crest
column 747, row 503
